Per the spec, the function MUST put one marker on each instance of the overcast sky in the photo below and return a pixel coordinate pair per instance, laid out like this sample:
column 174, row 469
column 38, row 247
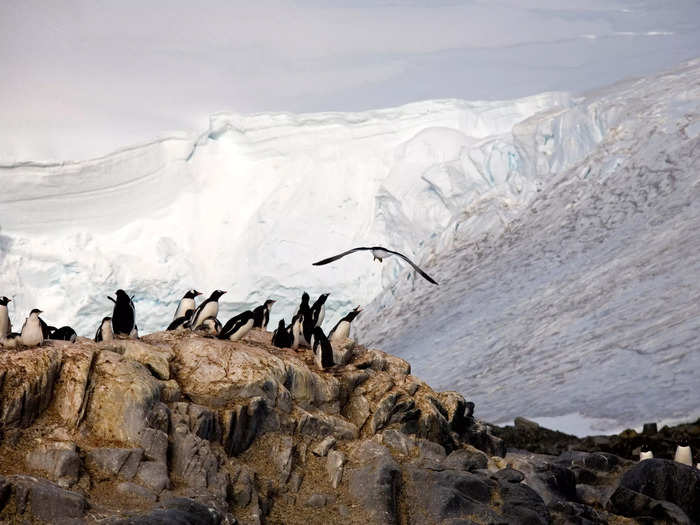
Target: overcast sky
column 82, row 78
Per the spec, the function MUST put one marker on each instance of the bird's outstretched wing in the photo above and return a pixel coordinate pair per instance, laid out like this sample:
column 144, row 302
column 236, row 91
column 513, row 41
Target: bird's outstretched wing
column 415, row 266
column 340, row 255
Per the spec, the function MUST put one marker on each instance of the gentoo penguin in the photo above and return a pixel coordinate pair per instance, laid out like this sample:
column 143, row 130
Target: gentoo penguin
column 182, row 321
column 134, row 334
column 378, row 253
column 32, row 333
column 5, row 324
column 262, row 314
column 645, row 453
column 303, row 307
column 186, row 303
column 211, row 325
column 298, row 331
column 318, row 310
column 104, row 332
column 323, row 352
column 123, row 315
column 342, row 328
column 281, row 338
column 683, row 453
column 237, row 326
column 65, row 333
column 208, row 308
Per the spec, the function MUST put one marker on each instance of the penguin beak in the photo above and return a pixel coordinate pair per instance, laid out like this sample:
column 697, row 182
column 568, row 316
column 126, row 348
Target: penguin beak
column 196, row 293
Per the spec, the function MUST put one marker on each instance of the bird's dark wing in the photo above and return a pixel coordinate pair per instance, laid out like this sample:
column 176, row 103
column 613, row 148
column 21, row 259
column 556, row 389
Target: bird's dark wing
column 112, row 299
column 415, row 266
column 336, row 257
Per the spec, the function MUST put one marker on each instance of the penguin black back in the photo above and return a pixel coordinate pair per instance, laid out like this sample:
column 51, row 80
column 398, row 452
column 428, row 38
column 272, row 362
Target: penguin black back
column 237, row 326
column 281, row 337
column 65, row 333
column 124, row 314
column 181, row 321
column 322, row 346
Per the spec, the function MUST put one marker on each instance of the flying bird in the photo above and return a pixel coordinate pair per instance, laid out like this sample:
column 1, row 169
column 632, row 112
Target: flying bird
column 378, row 254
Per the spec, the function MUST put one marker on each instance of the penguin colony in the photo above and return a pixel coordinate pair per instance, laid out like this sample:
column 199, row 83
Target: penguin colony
column 304, row 330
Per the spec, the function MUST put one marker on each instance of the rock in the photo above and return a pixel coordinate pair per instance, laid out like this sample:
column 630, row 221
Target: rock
column 122, row 394
column 649, row 429
column 455, row 407
column 523, row 505
column 70, row 396
column 316, row 500
column 437, row 496
column 178, row 511
column 398, row 441
column 508, row 475
column 243, row 486
column 241, row 425
column 45, row 500
column 213, row 374
column 357, row 410
column 659, row 479
column 571, row 512
column 343, row 352
column 334, row 467
column 155, row 444
column 525, row 425
column 155, row 358
column 283, row 456
column 26, row 384
column 322, row 448
column 468, row 458
column 106, row 463
column 153, row 475
column 59, row 460
column 170, row 391
column 430, row 455
column 319, row 424
column 132, row 490
column 375, row 486
column 545, row 474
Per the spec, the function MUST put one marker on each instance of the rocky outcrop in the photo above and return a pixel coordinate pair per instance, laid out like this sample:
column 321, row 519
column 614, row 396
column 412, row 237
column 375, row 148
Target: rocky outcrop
column 177, row 427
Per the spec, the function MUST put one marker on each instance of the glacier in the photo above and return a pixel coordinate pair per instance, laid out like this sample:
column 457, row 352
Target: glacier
column 561, row 227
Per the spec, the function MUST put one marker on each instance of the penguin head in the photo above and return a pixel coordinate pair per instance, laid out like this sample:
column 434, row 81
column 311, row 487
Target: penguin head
column 191, row 294
column 216, row 294
column 106, row 319
column 280, row 325
column 645, row 448
column 188, row 313
column 122, row 295
column 269, row 303
column 36, row 312
column 683, row 442
column 349, row 318
column 375, row 258
column 4, row 300
column 322, row 298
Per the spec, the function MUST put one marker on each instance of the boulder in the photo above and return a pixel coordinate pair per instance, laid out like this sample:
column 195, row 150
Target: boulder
column 44, row 500
column 322, row 448
column 334, row 467
column 122, row 394
column 59, row 460
column 27, row 380
column 155, row 358
column 70, row 394
column 375, row 486
column 153, row 475
column 106, row 463
column 467, row 458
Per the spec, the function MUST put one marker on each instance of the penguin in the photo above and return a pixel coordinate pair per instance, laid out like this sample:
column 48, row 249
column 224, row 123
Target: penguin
column 5, row 324
column 104, row 332
column 65, row 333
column 318, row 310
column 45, row 329
column 262, row 314
column 211, row 325
column 237, row 326
column 323, row 352
column 645, row 453
column 341, row 330
column 11, row 341
column 182, row 321
column 207, row 308
column 123, row 315
column 298, row 331
column 303, row 307
column 281, row 338
column 32, row 333
column 186, row 303
column 134, row 334
column 683, row 454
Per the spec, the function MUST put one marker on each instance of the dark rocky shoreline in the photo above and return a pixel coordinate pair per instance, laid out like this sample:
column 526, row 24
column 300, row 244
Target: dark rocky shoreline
column 180, row 428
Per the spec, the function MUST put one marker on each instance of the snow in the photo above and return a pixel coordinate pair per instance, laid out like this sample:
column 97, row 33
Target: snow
column 562, row 230
column 580, row 298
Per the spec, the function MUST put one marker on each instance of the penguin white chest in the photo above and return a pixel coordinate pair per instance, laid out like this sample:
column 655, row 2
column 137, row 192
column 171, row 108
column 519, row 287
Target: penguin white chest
column 107, row 333
column 31, row 331
column 4, row 322
column 683, row 455
column 244, row 329
column 341, row 332
column 185, row 304
column 211, row 309
column 321, row 315
column 646, row 455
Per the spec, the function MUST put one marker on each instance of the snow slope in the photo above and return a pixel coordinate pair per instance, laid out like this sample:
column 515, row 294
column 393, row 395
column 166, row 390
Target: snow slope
column 583, row 299
column 246, row 206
